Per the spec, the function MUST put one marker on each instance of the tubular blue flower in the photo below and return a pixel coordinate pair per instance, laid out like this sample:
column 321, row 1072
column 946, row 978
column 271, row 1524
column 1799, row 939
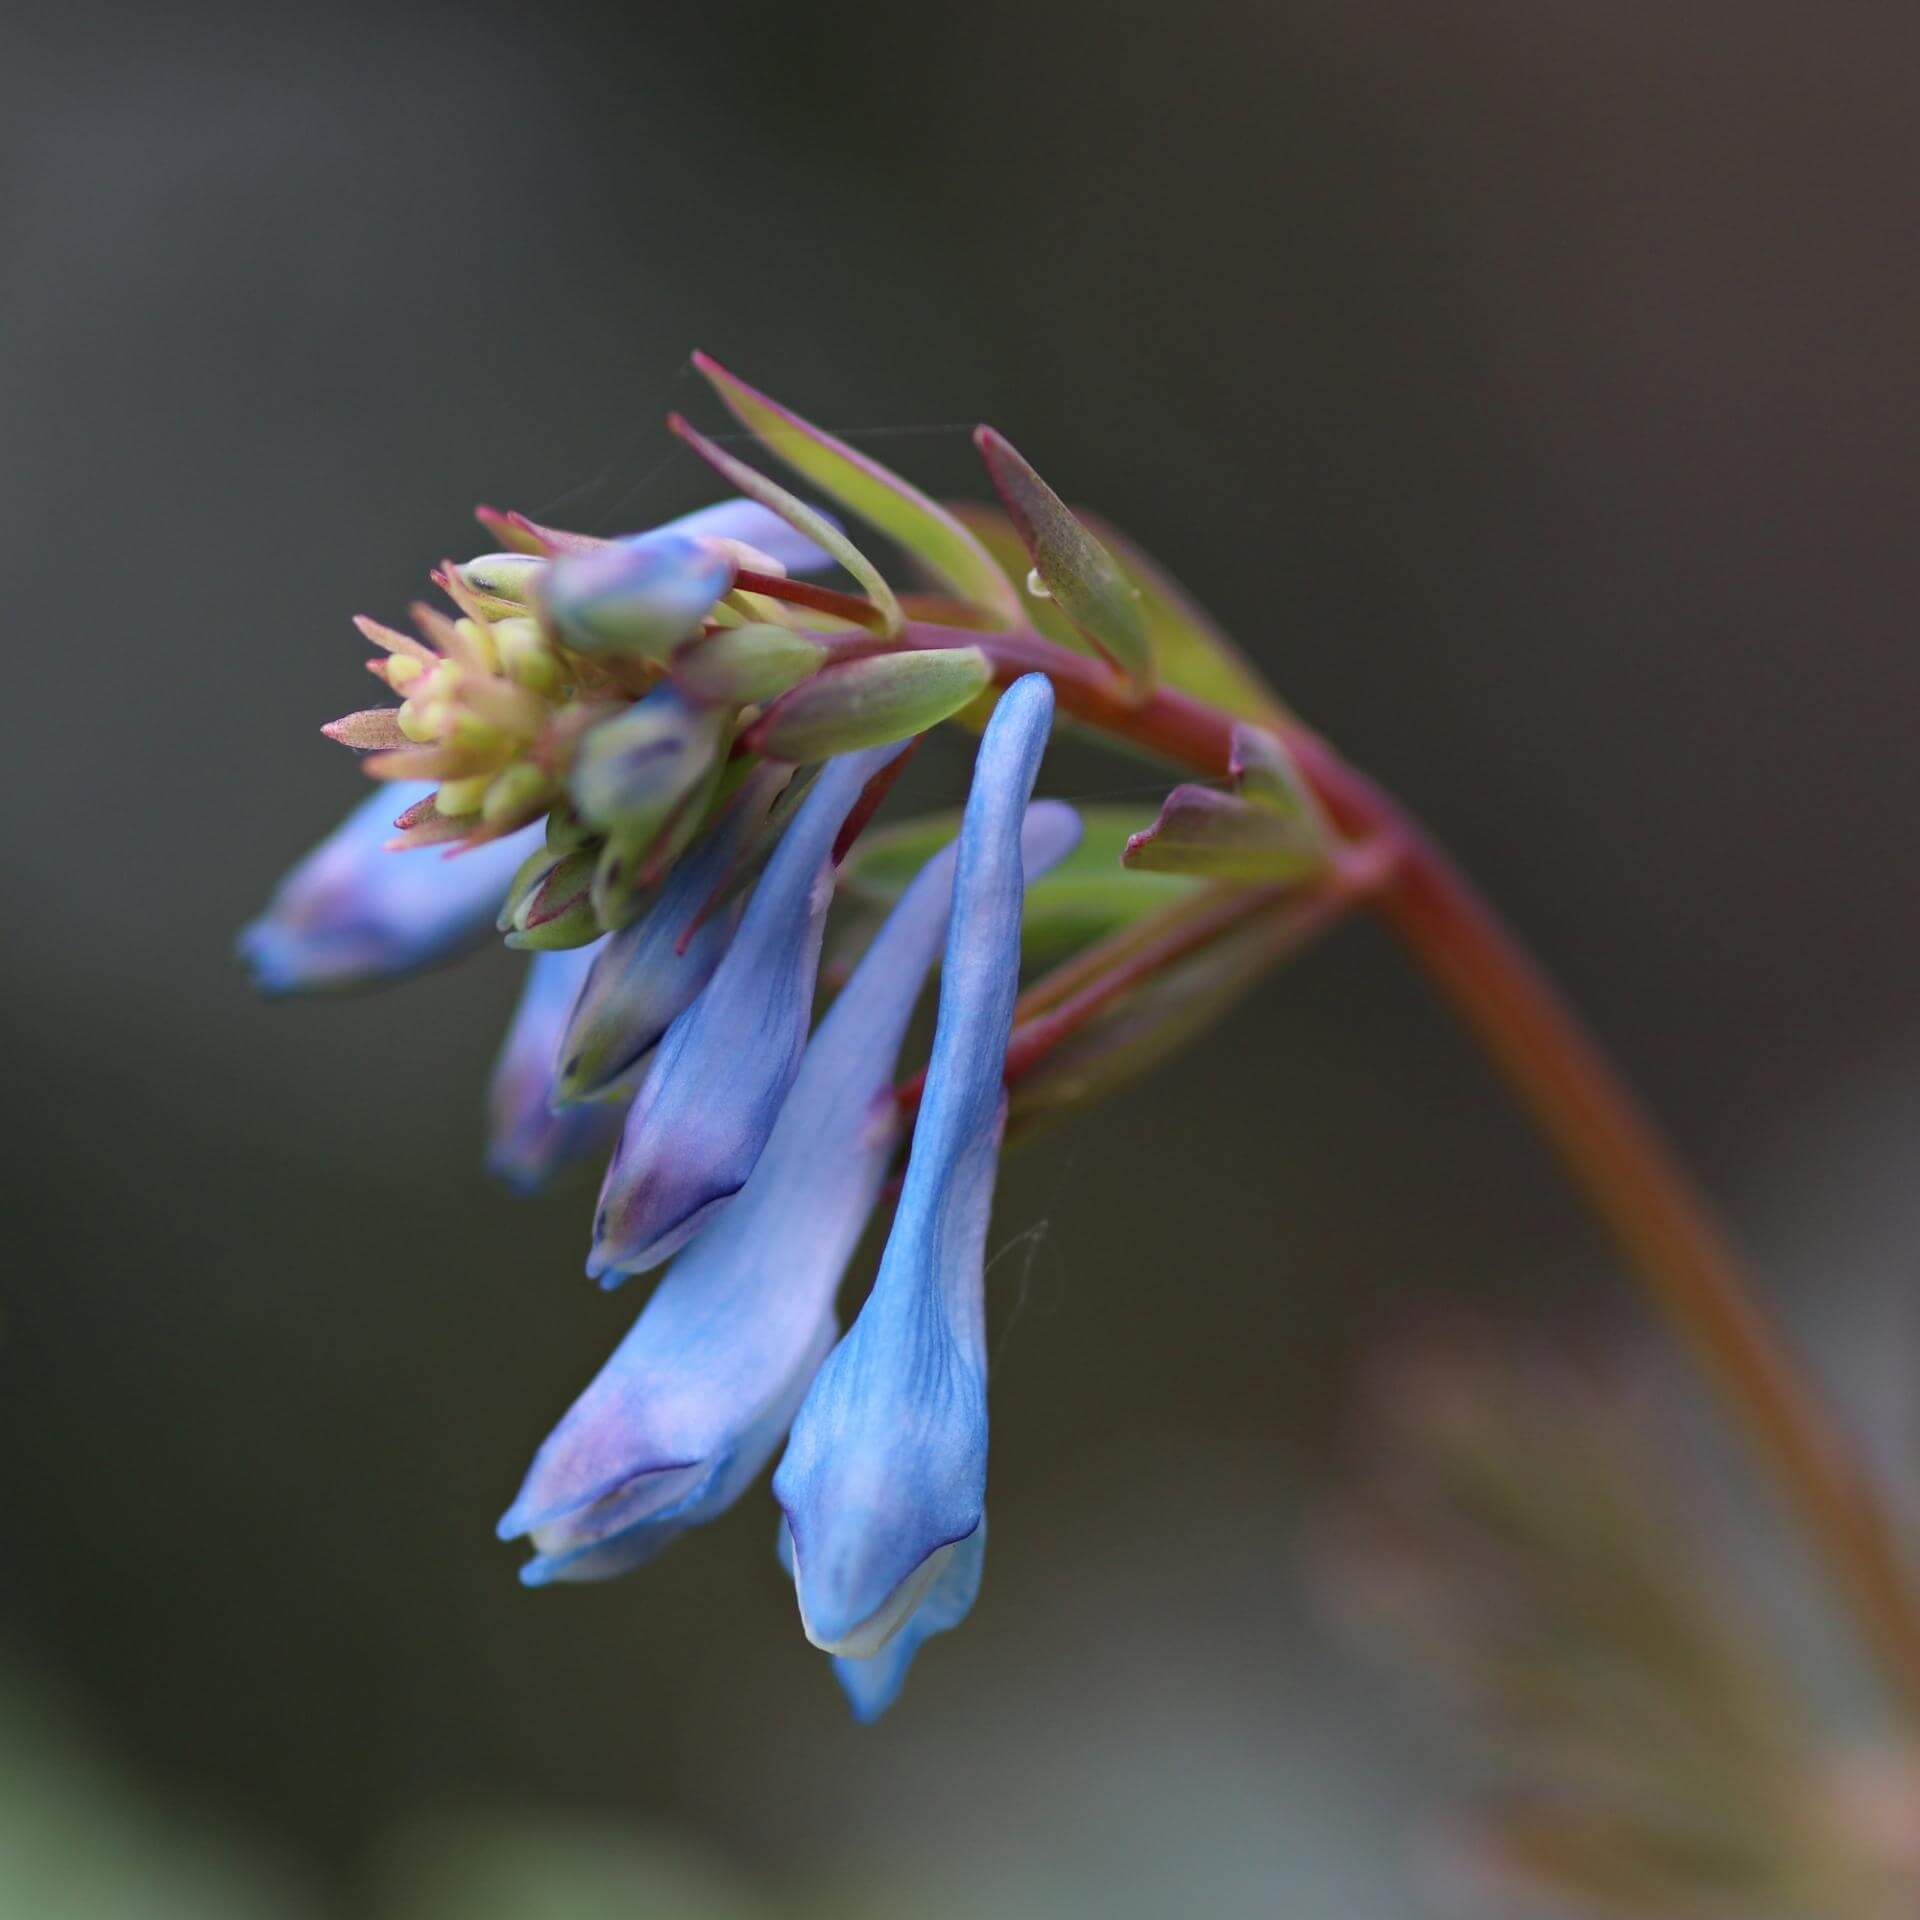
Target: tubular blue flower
column 529, row 1138
column 691, row 1405
column 705, row 1110
column 351, row 912
column 884, row 1479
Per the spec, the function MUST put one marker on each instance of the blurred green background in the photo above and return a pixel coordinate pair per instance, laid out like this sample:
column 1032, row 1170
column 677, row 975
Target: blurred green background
column 1529, row 386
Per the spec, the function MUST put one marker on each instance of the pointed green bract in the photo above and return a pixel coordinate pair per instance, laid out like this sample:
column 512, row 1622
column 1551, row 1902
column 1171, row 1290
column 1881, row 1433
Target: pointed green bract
column 940, row 542
column 1083, row 579
column 1263, row 773
column 1191, row 651
column 797, row 514
column 1087, row 896
column 867, row 703
column 1223, row 837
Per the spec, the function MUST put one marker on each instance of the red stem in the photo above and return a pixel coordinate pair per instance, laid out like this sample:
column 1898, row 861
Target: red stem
column 1614, row 1152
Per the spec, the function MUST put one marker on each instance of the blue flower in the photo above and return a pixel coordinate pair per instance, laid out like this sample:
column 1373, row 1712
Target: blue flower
column 705, row 1110
column 529, row 1138
column 351, row 912
column 884, row 1478
column 690, row 1407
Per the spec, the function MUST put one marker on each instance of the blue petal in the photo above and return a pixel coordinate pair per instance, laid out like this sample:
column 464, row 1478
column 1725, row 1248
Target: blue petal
column 351, row 912
column 887, row 1463
column 528, row 1140
column 754, row 526
column 643, row 595
column 689, row 1409
column 872, row 1685
column 704, row 1112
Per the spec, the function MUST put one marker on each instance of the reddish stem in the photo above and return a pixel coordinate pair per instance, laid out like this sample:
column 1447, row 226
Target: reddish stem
column 1616, row 1155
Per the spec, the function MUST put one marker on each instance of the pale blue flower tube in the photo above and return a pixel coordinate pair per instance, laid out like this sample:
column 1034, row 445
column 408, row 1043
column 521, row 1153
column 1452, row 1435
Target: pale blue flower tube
column 691, row 1406
column 884, row 1478
column 705, row 1110
column 351, row 913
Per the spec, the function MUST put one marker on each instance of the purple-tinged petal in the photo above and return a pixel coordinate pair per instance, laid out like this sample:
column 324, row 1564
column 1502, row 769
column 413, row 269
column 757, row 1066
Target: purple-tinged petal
column 747, row 523
column 528, row 1139
column 638, row 597
column 887, row 1463
column 690, row 1407
column 352, row 912
column 704, row 1112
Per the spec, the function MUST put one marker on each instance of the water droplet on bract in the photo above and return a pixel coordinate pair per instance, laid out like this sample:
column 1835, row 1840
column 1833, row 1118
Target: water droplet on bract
column 1036, row 586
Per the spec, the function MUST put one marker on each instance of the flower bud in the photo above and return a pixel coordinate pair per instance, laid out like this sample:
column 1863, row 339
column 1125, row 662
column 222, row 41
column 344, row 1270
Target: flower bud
column 870, row 703
column 633, row 770
column 746, row 665
column 638, row 597
column 507, row 579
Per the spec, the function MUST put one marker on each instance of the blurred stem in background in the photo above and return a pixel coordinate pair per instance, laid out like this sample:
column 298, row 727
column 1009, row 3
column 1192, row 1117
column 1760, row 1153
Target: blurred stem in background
column 1615, row 1153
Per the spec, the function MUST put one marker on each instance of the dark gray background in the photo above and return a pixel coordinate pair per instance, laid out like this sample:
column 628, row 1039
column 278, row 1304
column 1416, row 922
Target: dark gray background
column 1529, row 384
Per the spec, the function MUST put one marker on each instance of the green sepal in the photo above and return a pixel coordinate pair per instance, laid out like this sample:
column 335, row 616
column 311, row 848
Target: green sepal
column 939, row 541
column 1081, row 577
column 867, row 703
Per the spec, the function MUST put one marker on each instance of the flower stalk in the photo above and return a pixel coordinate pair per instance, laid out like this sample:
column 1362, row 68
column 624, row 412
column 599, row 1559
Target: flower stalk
column 1614, row 1152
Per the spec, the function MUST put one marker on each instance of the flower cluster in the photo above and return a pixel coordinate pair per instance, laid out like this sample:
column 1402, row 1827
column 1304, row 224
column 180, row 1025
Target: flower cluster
column 653, row 764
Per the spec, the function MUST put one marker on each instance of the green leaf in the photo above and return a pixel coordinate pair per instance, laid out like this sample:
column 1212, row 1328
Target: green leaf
column 1193, row 654
column 941, row 543
column 867, row 703
column 1083, row 579
column 1086, row 897
column 798, row 515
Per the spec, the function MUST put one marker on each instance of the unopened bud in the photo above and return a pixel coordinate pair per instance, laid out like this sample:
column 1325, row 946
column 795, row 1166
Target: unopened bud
column 505, row 579
column 638, row 597
column 633, row 770
column 526, row 656
column 870, row 703
column 744, row 666
column 516, row 794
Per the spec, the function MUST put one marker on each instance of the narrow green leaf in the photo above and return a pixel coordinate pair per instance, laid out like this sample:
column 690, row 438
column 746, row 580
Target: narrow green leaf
column 878, row 495
column 1086, row 897
column 797, row 514
column 1191, row 651
column 1085, row 581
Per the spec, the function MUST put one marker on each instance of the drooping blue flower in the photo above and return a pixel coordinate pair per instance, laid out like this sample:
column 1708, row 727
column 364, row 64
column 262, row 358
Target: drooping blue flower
column 690, row 1407
column 529, row 1137
column 705, row 1110
column 884, row 1477
column 351, row 912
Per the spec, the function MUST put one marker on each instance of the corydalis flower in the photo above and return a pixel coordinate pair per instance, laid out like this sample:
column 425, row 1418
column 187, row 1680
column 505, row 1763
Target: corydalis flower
column 885, row 1475
column 697, row 1126
column 352, row 912
column 690, row 1407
